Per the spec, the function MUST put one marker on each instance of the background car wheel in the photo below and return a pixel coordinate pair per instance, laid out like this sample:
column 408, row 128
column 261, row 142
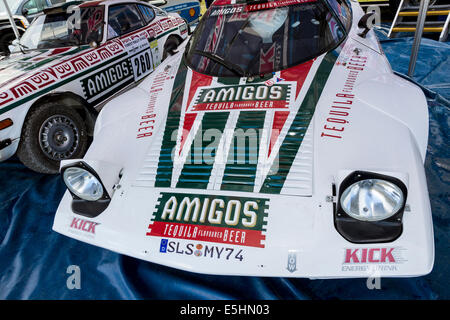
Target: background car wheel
column 51, row 133
column 171, row 44
column 5, row 41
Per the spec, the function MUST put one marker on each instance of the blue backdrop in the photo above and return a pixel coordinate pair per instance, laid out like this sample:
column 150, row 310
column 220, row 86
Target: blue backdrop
column 34, row 259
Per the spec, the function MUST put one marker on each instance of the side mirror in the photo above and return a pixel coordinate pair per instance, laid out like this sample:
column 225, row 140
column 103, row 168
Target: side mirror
column 25, row 12
column 366, row 23
column 13, row 47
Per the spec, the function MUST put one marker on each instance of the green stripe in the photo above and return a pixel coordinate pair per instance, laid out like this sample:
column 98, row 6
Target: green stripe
column 61, row 83
column 165, row 164
column 240, row 171
column 289, row 148
column 197, row 169
column 35, row 65
column 228, row 80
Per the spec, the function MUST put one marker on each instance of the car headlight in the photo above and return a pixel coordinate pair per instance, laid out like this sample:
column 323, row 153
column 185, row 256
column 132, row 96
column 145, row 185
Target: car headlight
column 91, row 183
column 83, row 184
column 369, row 207
column 372, row 200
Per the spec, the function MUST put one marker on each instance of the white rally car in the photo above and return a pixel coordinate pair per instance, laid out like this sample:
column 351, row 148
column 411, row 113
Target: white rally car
column 276, row 142
column 72, row 59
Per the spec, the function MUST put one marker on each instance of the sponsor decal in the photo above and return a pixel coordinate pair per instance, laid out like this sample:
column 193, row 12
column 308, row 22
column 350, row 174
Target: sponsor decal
column 212, row 218
column 74, row 67
column 342, row 104
column 147, row 121
column 83, row 225
column 144, row 55
column 183, row 28
column 224, row 11
column 98, row 83
column 274, row 80
column 292, row 262
column 237, row 97
column 364, row 259
column 201, row 250
column 276, row 4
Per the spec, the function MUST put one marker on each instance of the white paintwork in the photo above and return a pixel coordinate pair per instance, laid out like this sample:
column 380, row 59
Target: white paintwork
column 386, row 132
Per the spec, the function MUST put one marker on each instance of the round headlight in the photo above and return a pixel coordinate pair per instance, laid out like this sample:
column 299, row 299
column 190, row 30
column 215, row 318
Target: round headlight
column 83, row 184
column 372, row 200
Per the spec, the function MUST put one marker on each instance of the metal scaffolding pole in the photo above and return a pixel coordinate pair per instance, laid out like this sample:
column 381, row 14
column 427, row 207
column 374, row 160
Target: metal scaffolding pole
column 11, row 19
column 418, row 36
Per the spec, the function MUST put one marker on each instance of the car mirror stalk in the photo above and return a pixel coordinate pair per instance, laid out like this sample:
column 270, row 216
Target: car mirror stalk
column 366, row 23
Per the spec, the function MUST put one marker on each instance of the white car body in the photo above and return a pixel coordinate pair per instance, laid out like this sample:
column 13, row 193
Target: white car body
column 381, row 127
column 29, row 78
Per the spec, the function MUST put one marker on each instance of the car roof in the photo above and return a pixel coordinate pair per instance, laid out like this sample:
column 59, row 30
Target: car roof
column 108, row 2
column 83, row 4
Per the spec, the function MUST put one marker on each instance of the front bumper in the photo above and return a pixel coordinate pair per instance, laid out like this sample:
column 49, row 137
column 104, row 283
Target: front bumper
column 297, row 238
column 8, row 148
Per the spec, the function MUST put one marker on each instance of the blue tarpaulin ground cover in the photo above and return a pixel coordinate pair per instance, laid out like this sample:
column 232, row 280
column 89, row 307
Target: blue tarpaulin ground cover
column 34, row 259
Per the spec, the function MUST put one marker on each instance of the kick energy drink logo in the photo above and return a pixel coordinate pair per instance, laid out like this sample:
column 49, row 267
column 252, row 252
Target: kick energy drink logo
column 222, row 219
column 83, row 225
column 248, row 96
column 373, row 259
column 372, row 255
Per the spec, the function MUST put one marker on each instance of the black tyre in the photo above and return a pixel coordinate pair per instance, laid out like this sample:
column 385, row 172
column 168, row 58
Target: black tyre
column 5, row 41
column 171, row 44
column 51, row 133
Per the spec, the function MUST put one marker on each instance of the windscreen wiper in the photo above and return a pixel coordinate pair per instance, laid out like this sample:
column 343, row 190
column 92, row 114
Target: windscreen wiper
column 22, row 47
column 230, row 66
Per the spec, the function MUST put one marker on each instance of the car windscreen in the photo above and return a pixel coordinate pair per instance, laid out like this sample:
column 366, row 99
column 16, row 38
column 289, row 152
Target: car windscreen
column 78, row 27
column 256, row 39
column 12, row 4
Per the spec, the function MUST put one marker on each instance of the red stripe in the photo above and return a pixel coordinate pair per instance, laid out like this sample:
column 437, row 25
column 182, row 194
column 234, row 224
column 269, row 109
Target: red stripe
column 298, row 74
column 240, row 105
column 278, row 123
column 250, row 238
column 197, row 80
column 189, row 119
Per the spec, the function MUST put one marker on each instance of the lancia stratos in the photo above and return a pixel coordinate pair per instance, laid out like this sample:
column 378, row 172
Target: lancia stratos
column 277, row 141
column 68, row 63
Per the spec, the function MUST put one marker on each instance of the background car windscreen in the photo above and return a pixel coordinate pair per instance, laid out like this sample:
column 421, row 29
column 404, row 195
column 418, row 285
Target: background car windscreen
column 262, row 41
column 12, row 4
column 65, row 29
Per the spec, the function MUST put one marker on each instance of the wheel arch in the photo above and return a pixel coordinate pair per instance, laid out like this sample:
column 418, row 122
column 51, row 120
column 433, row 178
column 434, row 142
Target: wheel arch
column 172, row 36
column 71, row 100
